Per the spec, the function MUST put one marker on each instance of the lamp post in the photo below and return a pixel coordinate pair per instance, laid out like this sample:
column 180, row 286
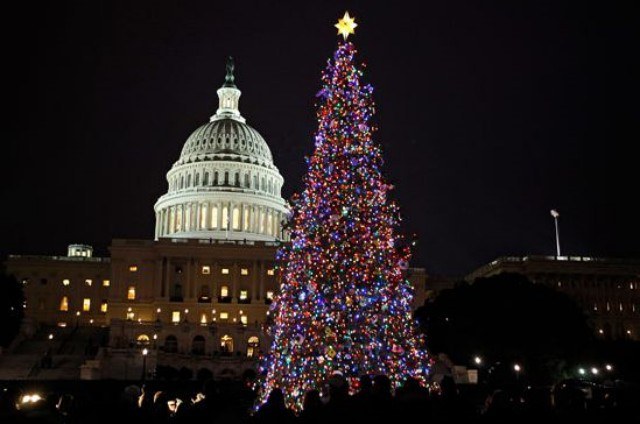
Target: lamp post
column 555, row 215
column 145, row 352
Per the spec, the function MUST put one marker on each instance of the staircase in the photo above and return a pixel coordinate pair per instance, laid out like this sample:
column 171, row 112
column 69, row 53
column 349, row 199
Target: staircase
column 69, row 348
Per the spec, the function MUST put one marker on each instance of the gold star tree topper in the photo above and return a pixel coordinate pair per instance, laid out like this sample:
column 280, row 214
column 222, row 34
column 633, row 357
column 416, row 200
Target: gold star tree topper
column 346, row 25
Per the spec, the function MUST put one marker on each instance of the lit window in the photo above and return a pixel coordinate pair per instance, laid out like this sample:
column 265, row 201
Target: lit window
column 88, row 282
column 270, row 294
column 244, row 271
column 66, row 282
column 104, row 307
column 214, row 215
column 206, row 269
column 62, row 324
column 224, row 315
column 243, row 295
column 64, row 304
column 226, row 343
column 130, row 315
column 175, row 316
column 224, row 291
column 225, row 271
column 236, row 218
column 86, row 304
column 106, row 283
column 270, row 272
column 252, row 346
column 133, row 268
column 621, row 307
column 225, row 217
column 203, row 319
column 243, row 319
column 131, row 293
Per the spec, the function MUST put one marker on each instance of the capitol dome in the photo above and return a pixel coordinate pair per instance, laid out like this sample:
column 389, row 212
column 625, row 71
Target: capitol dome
column 225, row 184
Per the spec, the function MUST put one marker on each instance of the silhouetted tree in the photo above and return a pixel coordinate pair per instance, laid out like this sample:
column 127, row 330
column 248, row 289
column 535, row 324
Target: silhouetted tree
column 11, row 310
column 507, row 318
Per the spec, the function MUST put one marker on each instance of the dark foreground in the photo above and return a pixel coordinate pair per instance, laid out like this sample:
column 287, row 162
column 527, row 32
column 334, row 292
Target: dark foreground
column 193, row 402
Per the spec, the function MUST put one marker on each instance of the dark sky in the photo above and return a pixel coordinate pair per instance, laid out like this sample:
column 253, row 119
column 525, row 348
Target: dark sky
column 490, row 114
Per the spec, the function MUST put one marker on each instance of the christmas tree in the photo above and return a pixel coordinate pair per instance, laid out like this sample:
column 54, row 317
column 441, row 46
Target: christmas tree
column 344, row 301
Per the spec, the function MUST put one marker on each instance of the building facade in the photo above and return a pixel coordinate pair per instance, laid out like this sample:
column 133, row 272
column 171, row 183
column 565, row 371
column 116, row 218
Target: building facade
column 608, row 290
column 198, row 294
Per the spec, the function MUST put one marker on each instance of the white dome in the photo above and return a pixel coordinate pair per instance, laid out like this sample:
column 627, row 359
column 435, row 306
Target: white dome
column 224, row 185
column 226, row 138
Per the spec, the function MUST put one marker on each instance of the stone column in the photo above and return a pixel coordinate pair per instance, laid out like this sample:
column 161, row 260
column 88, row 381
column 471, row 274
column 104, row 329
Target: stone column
column 234, row 283
column 254, row 282
column 198, row 221
column 215, row 273
column 158, row 279
column 261, row 293
column 167, row 279
column 188, row 280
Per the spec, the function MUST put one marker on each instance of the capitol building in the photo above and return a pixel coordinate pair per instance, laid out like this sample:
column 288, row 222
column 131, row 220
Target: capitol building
column 194, row 297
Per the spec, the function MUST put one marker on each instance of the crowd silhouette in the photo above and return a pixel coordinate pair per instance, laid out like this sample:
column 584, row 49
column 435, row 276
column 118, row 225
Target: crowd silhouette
column 374, row 401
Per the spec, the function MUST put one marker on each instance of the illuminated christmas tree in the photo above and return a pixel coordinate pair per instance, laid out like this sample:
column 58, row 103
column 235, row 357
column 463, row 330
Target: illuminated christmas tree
column 344, row 301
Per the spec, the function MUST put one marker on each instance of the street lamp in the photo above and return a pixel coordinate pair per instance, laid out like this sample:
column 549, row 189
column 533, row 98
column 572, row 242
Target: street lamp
column 555, row 215
column 145, row 352
column 477, row 360
column 517, row 368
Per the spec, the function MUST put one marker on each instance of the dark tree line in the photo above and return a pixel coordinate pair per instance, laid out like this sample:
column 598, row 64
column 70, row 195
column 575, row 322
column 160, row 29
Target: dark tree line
column 506, row 319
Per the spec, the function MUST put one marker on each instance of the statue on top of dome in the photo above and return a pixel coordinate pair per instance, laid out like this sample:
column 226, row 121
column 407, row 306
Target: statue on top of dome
column 229, row 78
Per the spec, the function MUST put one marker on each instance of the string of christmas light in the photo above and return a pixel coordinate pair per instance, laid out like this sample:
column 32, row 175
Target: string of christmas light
column 344, row 300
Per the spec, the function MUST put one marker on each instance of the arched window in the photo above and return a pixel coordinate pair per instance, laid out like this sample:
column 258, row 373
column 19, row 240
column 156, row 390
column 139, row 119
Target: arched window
column 226, row 344
column 269, row 185
column 205, row 295
column 255, row 182
column 197, row 346
column 247, row 181
column 225, row 217
column 252, row 346
column 263, row 184
column 226, row 178
column 204, row 210
column 142, row 339
column 236, row 218
column 247, row 218
column 205, row 179
column 171, row 344
column 188, row 180
column 172, row 220
column 236, row 178
column 187, row 217
column 179, row 218
column 182, row 181
column 225, row 296
column 215, row 178
column 214, row 217
column 64, row 304
column 197, row 183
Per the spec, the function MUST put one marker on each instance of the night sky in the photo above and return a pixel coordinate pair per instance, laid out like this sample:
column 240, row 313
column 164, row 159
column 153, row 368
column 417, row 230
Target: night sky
column 491, row 113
